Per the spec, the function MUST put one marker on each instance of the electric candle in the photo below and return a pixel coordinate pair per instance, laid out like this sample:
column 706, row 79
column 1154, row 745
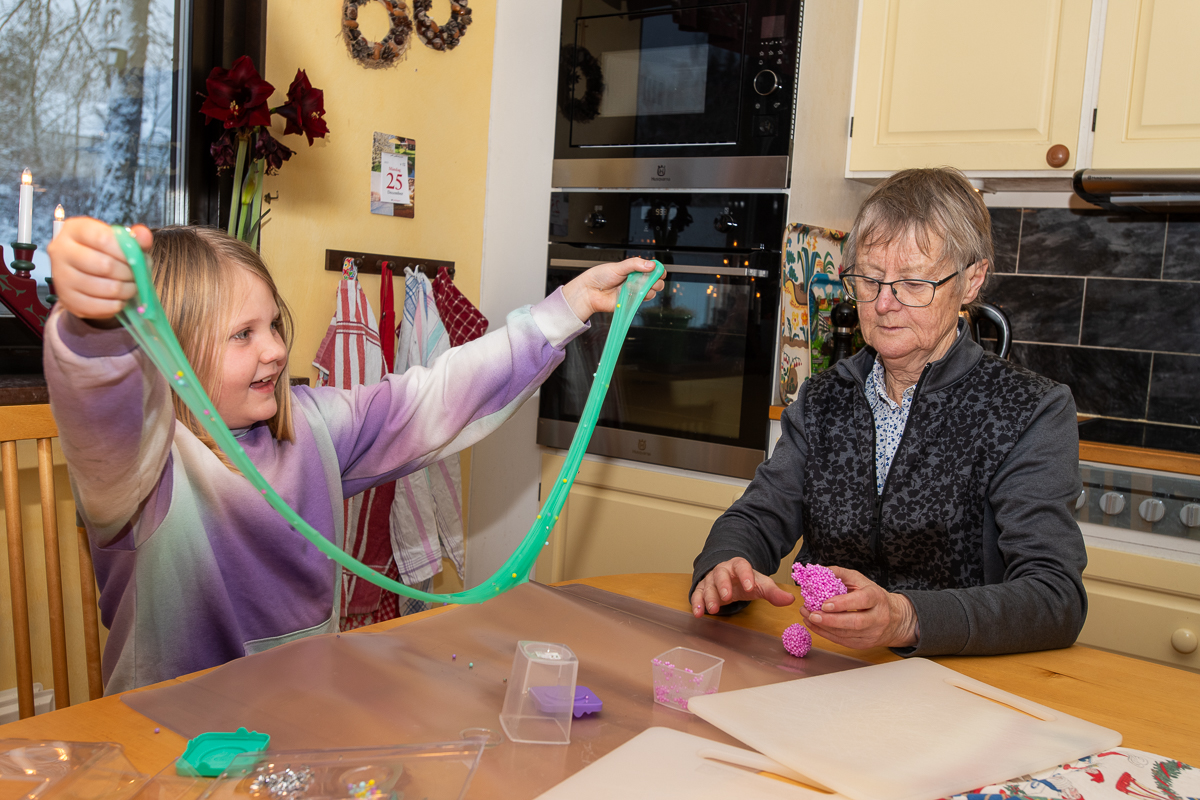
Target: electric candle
column 59, row 216
column 25, row 210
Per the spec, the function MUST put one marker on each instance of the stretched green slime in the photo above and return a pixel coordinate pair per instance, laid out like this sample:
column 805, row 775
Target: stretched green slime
column 144, row 318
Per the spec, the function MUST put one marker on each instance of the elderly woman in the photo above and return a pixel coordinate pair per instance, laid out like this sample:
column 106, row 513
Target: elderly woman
column 932, row 477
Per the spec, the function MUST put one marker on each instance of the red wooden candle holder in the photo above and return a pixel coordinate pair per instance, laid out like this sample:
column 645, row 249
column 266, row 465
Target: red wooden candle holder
column 18, row 291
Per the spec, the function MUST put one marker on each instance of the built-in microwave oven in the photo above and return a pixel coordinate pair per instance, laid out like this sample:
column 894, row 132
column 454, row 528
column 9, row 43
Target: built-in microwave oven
column 676, row 94
column 692, row 386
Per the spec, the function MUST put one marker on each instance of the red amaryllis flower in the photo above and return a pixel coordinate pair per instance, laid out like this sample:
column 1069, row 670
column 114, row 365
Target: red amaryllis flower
column 224, row 152
column 238, row 96
column 268, row 148
column 304, row 108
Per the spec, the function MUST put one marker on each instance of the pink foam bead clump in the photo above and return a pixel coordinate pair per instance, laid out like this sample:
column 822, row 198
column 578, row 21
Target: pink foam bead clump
column 797, row 640
column 817, row 584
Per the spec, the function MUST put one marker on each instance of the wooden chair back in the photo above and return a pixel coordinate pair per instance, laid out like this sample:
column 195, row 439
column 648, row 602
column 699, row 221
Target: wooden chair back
column 35, row 422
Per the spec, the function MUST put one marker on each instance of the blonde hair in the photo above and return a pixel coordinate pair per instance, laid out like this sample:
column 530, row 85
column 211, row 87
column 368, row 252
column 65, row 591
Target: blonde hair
column 938, row 207
column 194, row 274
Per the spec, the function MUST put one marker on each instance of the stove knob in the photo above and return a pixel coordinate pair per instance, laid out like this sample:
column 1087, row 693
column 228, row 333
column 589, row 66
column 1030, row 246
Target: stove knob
column 725, row 223
column 1081, row 501
column 766, row 82
column 1190, row 515
column 1152, row 509
column 1112, row 503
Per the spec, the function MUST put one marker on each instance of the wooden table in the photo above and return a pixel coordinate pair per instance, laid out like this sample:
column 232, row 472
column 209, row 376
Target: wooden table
column 1156, row 708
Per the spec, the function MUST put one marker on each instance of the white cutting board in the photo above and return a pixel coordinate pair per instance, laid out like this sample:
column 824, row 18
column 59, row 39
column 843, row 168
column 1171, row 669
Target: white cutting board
column 667, row 764
column 905, row 730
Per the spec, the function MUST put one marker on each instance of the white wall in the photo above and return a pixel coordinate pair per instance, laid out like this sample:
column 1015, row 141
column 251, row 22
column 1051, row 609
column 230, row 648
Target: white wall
column 505, row 466
column 820, row 194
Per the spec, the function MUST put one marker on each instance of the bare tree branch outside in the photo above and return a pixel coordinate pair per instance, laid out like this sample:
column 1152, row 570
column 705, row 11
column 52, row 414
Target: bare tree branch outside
column 87, row 87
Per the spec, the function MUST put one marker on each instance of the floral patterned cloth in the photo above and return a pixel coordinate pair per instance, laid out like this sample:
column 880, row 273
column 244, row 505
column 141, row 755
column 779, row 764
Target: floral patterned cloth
column 1117, row 774
column 890, row 419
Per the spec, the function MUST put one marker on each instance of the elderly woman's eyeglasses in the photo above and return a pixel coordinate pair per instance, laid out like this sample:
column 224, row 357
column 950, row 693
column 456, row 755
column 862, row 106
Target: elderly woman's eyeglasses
column 913, row 292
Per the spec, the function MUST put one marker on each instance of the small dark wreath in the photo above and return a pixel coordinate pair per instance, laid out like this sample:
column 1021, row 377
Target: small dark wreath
column 574, row 62
column 387, row 51
column 441, row 37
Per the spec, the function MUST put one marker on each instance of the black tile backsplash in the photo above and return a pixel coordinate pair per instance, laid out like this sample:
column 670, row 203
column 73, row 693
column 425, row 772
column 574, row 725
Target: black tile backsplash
column 1175, row 389
column 1111, row 383
column 1058, row 241
column 1142, row 315
column 1006, row 236
column 1110, row 306
column 1041, row 309
column 1183, row 246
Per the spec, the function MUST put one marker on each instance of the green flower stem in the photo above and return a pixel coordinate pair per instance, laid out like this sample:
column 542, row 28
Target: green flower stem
column 235, row 199
column 256, row 206
column 249, row 190
column 145, row 319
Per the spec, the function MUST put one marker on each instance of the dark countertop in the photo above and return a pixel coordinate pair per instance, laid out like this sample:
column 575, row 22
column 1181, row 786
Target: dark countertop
column 23, row 390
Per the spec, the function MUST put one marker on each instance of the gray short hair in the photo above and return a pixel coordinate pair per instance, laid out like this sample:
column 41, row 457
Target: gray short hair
column 936, row 206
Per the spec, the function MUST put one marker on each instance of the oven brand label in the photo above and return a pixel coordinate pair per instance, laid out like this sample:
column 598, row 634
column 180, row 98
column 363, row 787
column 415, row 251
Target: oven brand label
column 661, row 172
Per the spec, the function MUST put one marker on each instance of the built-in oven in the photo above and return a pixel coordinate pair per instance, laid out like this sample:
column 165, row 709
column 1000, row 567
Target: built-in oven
column 676, row 94
column 692, row 387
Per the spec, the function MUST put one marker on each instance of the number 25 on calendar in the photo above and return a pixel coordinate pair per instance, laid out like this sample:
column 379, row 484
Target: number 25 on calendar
column 394, row 179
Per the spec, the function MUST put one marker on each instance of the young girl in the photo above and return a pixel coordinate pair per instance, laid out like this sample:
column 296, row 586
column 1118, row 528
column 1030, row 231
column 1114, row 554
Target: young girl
column 195, row 569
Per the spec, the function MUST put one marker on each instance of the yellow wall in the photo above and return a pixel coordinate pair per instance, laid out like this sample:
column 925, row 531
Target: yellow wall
column 441, row 99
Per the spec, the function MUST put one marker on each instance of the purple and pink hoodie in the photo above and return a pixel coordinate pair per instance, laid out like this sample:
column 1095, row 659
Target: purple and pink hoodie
column 194, row 568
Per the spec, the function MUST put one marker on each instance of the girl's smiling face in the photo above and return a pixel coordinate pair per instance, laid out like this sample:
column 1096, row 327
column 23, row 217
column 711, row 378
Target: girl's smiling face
column 254, row 356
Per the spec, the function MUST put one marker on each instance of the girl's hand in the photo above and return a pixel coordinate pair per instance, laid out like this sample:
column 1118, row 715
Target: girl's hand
column 866, row 616
column 598, row 288
column 91, row 278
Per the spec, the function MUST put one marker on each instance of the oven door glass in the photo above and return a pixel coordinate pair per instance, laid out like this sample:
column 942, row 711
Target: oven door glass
column 669, row 77
column 695, row 365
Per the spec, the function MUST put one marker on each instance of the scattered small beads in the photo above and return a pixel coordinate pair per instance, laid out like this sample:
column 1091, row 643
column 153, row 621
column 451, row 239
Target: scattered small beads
column 797, row 640
column 158, row 730
column 454, row 656
column 365, row 790
column 471, row 665
column 284, row 784
column 141, row 309
column 817, row 584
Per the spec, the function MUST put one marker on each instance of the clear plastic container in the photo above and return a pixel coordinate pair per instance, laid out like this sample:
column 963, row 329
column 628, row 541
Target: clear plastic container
column 53, row 769
column 682, row 673
column 538, row 704
column 437, row 770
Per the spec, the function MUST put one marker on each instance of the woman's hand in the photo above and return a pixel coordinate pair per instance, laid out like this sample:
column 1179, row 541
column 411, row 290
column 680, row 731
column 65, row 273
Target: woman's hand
column 91, row 278
column 598, row 288
column 866, row 616
column 732, row 581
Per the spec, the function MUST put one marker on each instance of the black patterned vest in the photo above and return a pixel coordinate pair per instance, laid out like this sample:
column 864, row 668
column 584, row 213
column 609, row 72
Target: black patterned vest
column 927, row 529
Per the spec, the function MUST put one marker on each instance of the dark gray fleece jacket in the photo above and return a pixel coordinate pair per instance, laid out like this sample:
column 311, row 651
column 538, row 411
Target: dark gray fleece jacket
column 974, row 523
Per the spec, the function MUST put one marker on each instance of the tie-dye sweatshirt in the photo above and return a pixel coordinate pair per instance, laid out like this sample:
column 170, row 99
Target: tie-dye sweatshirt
column 195, row 569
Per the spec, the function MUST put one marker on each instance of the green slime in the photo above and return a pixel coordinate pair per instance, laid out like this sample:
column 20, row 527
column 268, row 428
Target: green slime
column 144, row 318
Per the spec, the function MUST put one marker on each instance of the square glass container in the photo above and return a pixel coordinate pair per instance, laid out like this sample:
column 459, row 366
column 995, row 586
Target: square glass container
column 540, row 670
column 682, row 673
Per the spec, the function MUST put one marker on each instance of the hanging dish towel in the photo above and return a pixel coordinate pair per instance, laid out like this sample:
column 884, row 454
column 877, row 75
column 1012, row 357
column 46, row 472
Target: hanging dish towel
column 427, row 511
column 464, row 322
column 351, row 354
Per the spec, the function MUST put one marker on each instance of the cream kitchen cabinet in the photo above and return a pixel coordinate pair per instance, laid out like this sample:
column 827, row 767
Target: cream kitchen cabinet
column 621, row 519
column 981, row 86
column 1143, row 606
column 1148, row 107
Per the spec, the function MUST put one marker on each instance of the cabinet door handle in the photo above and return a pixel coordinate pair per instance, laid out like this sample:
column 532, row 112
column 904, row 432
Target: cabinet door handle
column 1057, row 155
